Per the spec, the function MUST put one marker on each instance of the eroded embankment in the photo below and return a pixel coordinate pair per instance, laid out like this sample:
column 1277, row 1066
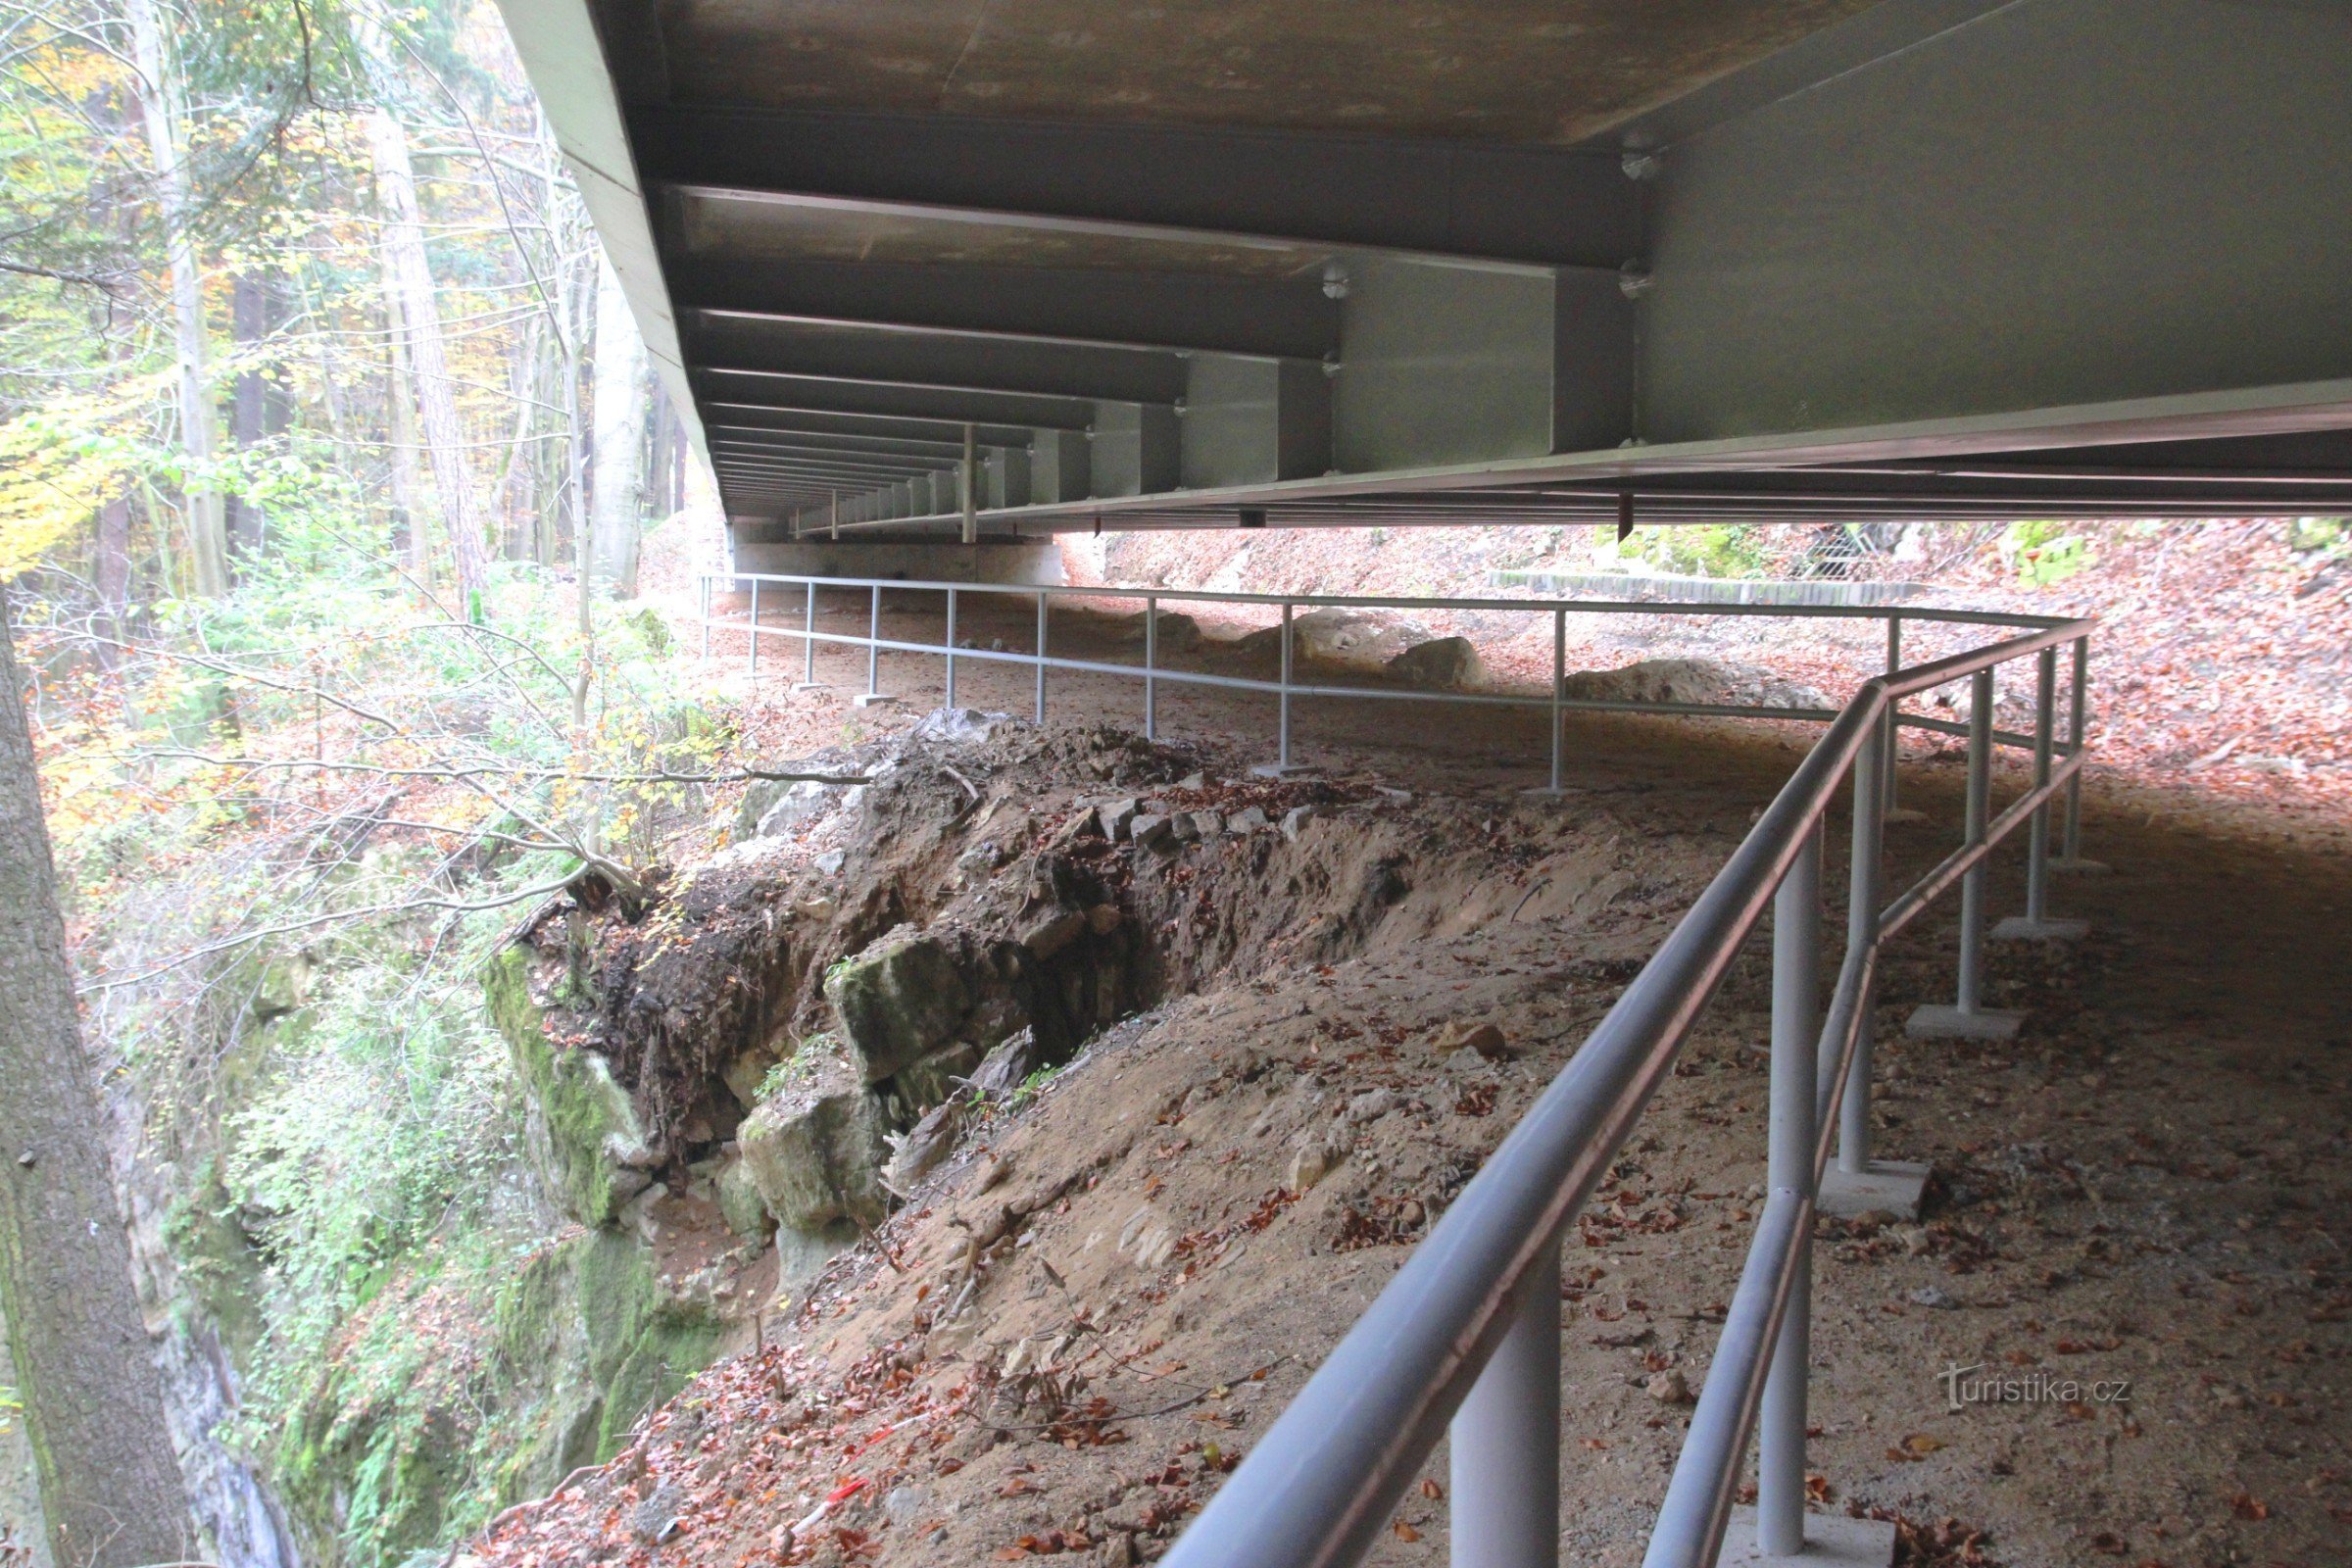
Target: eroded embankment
column 1301, row 1013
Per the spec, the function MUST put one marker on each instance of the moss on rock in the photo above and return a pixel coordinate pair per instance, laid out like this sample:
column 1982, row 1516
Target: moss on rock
column 897, row 1001
column 814, row 1148
column 585, row 1133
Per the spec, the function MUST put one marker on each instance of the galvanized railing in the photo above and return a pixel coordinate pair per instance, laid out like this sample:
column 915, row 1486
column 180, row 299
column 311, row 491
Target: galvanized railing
column 1465, row 1340
column 1288, row 687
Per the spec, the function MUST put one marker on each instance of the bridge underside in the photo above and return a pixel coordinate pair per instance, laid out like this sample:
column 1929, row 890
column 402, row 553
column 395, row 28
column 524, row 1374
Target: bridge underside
column 1279, row 264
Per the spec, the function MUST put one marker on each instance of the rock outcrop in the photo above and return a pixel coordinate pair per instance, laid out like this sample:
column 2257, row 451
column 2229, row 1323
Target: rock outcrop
column 1702, row 682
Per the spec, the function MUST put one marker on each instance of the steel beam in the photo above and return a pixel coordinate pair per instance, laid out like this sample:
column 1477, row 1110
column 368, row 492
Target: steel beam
column 1082, row 306
column 999, row 365
column 776, row 416
column 1564, row 206
column 918, row 400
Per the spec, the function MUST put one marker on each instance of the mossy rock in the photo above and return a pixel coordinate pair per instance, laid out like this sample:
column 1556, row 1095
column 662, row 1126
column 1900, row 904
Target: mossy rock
column 593, row 1144
column 740, row 1202
column 815, row 1150
column 898, row 1001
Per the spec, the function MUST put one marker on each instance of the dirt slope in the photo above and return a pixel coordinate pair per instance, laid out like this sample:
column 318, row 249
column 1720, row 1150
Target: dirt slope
column 1073, row 1327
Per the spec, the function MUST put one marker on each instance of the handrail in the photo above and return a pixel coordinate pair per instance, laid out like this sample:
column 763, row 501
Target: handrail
column 1320, row 1485
column 1320, row 1482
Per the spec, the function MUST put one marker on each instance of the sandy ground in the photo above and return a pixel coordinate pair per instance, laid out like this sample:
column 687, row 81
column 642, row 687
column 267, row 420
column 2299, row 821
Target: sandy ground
column 1085, row 1317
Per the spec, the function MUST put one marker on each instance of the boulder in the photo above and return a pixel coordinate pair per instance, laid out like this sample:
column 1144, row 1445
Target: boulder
column 1115, row 817
column 739, row 1200
column 1054, row 932
column 1149, row 829
column 1006, row 1066
column 920, row 1152
column 814, row 1148
column 899, row 1000
column 1348, row 638
column 1450, row 664
column 1178, row 634
column 958, row 726
column 800, row 803
column 1708, row 681
column 1295, row 820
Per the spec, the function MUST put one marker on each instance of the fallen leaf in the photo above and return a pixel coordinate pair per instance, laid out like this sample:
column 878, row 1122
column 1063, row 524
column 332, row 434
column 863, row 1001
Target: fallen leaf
column 1405, row 1531
column 2246, row 1505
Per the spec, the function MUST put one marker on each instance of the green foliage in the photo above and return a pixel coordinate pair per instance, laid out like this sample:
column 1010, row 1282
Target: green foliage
column 1698, row 550
column 2326, row 537
column 1029, row 1089
column 2043, row 554
column 799, row 1067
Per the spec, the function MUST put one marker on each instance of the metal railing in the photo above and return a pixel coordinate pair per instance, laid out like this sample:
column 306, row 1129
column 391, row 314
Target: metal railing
column 1464, row 1341
column 1288, row 687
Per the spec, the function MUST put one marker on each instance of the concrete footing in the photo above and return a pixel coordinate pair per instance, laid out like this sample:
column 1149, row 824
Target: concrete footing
column 800, row 688
column 1890, row 1186
column 1831, row 1541
column 1278, row 769
column 1905, row 813
column 874, row 700
column 2018, row 928
column 2063, row 866
column 1941, row 1022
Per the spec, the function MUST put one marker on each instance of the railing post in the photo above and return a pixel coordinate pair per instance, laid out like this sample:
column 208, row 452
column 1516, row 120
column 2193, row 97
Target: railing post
column 2069, row 854
column 1506, row 1439
column 1971, row 989
column 951, row 644
column 2036, row 925
column 1861, row 931
column 706, row 617
column 1894, row 739
column 1796, row 1032
column 1041, row 659
column 873, row 643
column 1969, row 1019
column 809, row 642
column 753, row 635
column 1150, row 665
column 1282, row 759
column 2037, row 834
column 1559, row 689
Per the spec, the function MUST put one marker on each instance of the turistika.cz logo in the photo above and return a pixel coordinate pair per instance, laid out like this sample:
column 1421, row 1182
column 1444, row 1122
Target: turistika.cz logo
column 1964, row 1387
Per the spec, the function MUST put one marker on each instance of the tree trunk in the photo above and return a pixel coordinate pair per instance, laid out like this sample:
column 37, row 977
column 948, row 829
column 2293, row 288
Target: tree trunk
column 112, row 578
column 619, row 441
column 158, row 89
column 400, row 421
column 93, row 1403
column 436, row 394
column 248, row 402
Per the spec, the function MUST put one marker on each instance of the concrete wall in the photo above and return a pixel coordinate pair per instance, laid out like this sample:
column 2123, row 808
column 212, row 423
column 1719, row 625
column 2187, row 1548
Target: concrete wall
column 1038, row 562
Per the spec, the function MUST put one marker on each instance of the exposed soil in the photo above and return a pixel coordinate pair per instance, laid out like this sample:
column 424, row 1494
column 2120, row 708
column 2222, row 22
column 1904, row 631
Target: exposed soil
column 1076, row 1325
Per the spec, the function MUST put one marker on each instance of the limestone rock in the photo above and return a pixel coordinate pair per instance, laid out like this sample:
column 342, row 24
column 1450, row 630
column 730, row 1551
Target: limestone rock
column 1464, row 1035
column 583, row 1132
column 920, row 1152
column 739, row 1200
column 1006, row 1066
column 1316, row 1156
column 1147, row 1240
column 1668, row 1387
column 1208, row 824
column 1294, row 820
column 1150, row 830
column 1348, row 638
column 898, row 1000
column 1448, row 662
column 1052, row 933
column 933, row 1080
column 1693, row 681
column 1249, row 820
column 814, row 1149
column 1116, row 817
column 958, row 726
